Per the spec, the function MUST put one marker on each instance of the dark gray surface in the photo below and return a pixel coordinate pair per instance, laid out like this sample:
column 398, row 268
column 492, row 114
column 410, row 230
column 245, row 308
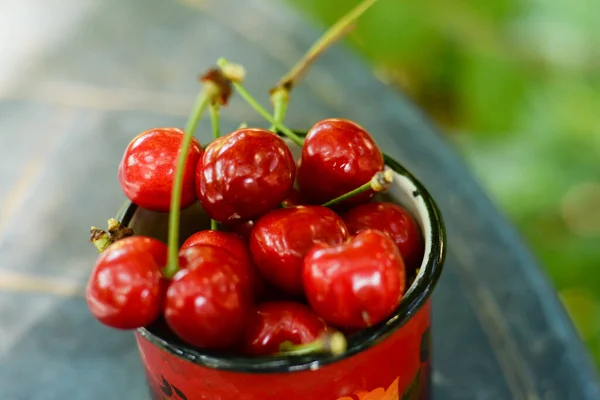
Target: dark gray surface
column 80, row 78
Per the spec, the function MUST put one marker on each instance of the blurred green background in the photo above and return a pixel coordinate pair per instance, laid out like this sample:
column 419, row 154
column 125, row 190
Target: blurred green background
column 515, row 85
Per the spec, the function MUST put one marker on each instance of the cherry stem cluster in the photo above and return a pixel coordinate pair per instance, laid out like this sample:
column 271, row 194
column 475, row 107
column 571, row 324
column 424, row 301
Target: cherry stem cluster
column 329, row 343
column 260, row 109
column 203, row 101
column 380, row 182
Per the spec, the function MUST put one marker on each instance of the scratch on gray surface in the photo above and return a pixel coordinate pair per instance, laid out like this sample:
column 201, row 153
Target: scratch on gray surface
column 16, row 282
column 77, row 95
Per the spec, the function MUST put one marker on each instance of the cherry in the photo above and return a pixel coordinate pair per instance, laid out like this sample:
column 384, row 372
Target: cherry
column 234, row 244
column 147, row 169
column 282, row 237
column 394, row 220
column 356, row 284
column 126, row 288
column 337, row 157
column 244, row 174
column 274, row 323
column 208, row 300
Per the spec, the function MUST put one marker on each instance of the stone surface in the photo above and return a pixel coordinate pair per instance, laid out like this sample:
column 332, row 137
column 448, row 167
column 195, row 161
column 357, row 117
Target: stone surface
column 80, row 78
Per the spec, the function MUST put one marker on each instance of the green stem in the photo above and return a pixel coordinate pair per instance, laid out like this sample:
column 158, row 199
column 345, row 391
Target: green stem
column 380, row 182
column 265, row 114
column 330, row 343
column 334, row 33
column 203, row 100
column 214, row 120
column 280, row 100
column 260, row 109
column 352, row 193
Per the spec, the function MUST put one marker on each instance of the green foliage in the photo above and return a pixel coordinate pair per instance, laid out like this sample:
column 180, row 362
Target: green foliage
column 516, row 85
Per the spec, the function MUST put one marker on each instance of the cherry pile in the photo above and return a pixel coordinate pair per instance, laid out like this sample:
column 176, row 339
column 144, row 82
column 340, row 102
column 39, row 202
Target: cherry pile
column 298, row 253
column 280, row 271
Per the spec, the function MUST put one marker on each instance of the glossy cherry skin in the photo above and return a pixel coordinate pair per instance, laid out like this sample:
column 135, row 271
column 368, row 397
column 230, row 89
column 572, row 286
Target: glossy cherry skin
column 244, row 229
column 147, row 169
column 244, row 174
column 281, row 238
column 126, row 289
column 356, row 284
column 208, row 301
column 338, row 156
column 234, row 244
column 396, row 222
column 273, row 323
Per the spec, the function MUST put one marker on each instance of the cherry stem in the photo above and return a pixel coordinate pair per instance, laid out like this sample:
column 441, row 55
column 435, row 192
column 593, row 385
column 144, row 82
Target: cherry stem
column 280, row 99
column 203, row 101
column 100, row 239
column 214, row 120
column 116, row 231
column 380, row 182
column 343, row 26
column 260, row 109
column 329, row 343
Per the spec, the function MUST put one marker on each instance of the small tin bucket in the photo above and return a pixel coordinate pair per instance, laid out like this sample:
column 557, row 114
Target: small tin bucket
column 389, row 361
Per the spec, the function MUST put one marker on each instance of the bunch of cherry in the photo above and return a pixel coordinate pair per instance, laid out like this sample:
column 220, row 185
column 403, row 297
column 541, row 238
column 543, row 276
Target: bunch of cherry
column 298, row 254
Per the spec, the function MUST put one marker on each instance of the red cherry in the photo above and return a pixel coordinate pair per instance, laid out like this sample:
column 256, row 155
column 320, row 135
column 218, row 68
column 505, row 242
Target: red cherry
column 276, row 322
column 355, row 284
column 147, row 169
column 338, row 156
column 394, row 220
column 234, row 244
column 126, row 289
column 208, row 300
column 244, row 174
column 281, row 238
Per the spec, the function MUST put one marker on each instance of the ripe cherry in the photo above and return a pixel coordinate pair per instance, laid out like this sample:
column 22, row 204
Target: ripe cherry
column 396, row 222
column 234, row 244
column 126, row 288
column 282, row 237
column 274, row 323
column 147, row 169
column 244, row 174
column 356, row 284
column 208, row 301
column 338, row 156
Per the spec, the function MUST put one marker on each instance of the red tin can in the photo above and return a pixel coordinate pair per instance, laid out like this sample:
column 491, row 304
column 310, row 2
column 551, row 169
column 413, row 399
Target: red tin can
column 389, row 361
